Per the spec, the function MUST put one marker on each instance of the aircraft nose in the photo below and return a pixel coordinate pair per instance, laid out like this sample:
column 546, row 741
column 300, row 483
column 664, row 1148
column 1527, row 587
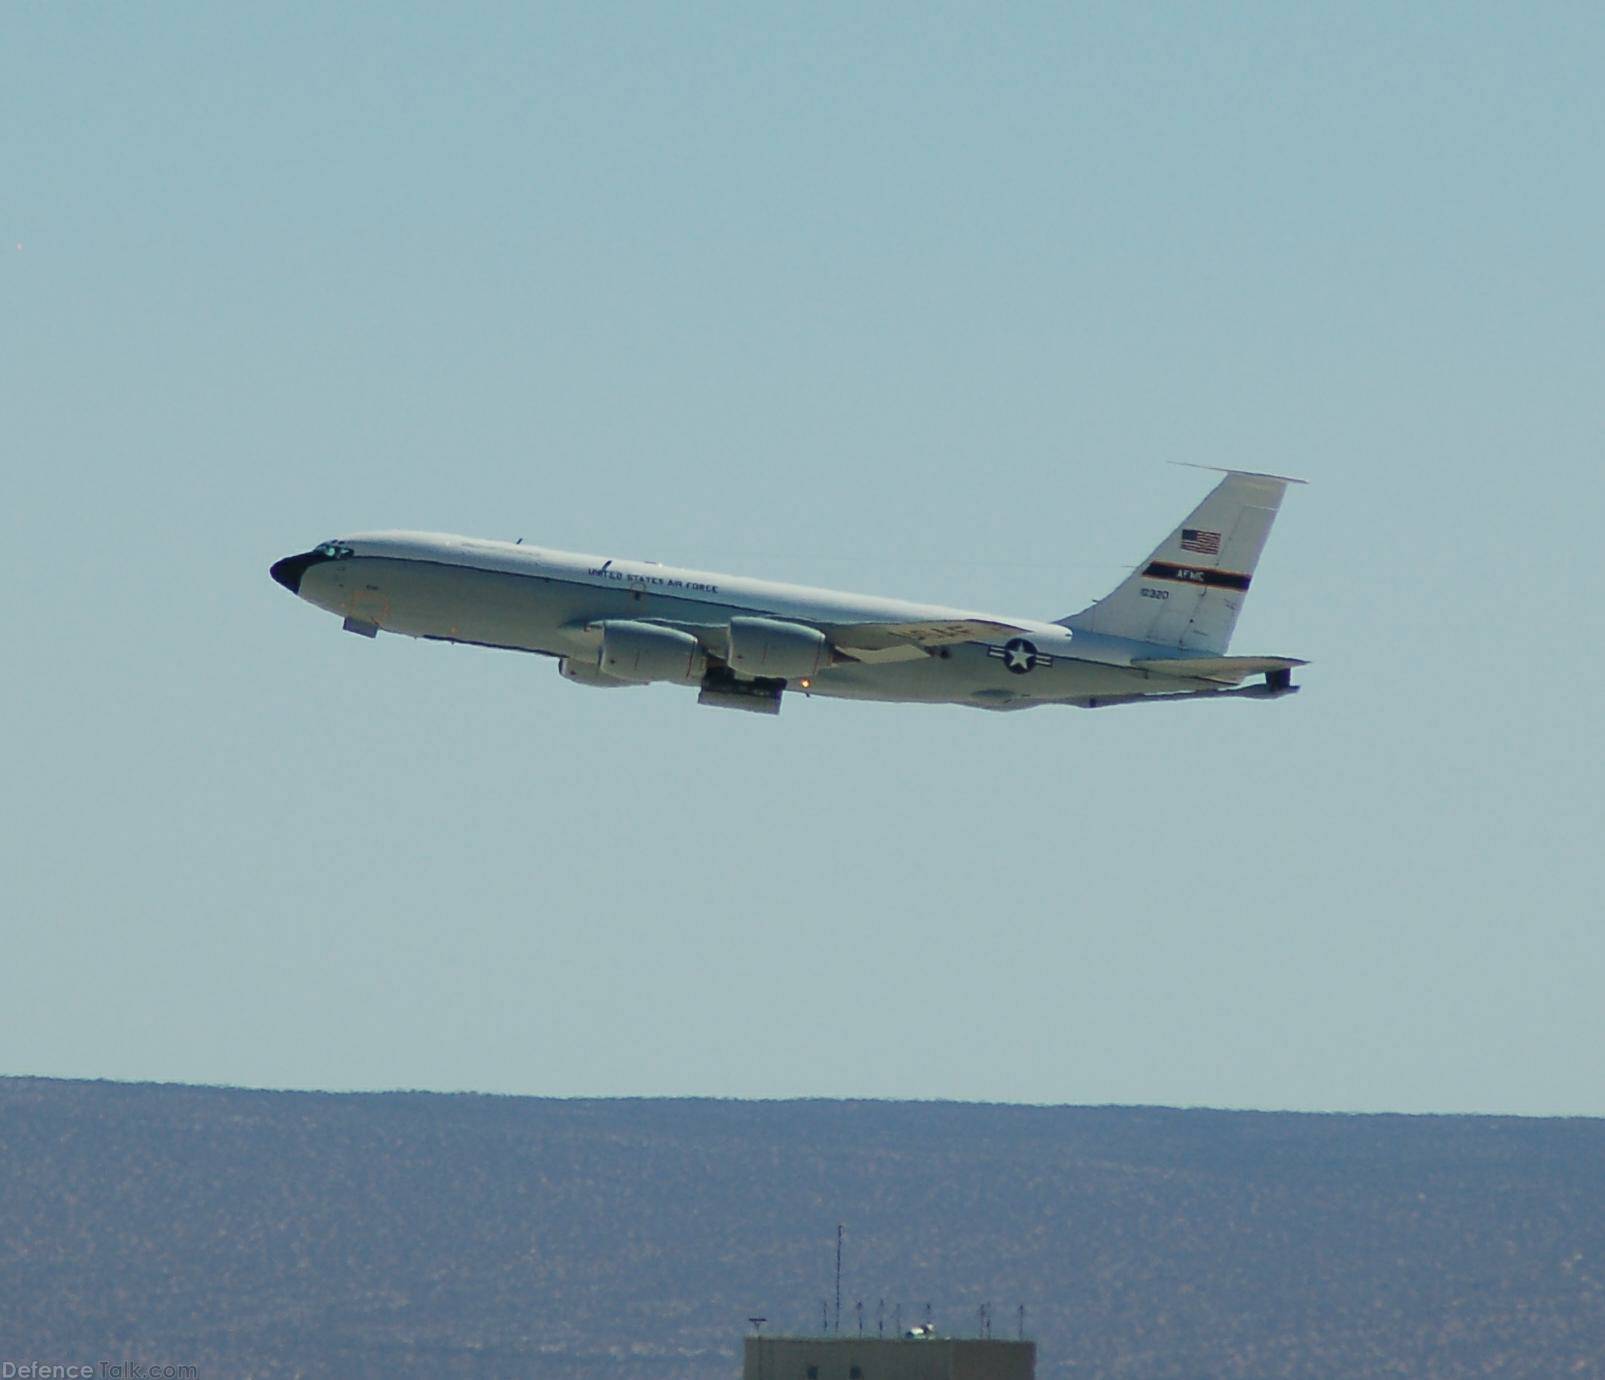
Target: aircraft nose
column 289, row 571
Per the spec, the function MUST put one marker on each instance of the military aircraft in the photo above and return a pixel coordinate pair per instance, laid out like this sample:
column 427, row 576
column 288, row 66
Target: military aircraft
column 1161, row 634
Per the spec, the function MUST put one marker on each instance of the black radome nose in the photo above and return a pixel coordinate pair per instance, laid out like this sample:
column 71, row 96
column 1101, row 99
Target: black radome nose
column 289, row 571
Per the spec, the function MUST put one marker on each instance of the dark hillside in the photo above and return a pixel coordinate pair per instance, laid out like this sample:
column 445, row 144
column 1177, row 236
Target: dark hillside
column 276, row 1234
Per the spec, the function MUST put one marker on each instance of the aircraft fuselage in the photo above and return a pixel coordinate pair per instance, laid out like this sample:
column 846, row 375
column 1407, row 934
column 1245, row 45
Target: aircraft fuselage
column 1161, row 633
column 529, row 599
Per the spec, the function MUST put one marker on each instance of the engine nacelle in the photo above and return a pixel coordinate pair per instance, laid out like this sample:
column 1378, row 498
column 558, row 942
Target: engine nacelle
column 641, row 652
column 769, row 647
column 586, row 673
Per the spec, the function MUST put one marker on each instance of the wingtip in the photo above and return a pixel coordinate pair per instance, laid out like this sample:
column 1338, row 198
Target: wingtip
column 1246, row 474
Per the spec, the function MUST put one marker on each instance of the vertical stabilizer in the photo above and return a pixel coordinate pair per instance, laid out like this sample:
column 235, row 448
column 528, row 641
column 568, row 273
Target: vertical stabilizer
column 1189, row 592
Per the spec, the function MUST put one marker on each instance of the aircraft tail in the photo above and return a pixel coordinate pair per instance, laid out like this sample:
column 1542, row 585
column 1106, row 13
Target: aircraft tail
column 1189, row 592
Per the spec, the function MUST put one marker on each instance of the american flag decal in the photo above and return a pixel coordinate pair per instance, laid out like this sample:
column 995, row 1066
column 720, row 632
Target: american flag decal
column 1205, row 543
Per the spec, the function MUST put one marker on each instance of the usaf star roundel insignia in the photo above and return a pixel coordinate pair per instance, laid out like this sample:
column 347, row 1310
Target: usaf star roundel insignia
column 1019, row 655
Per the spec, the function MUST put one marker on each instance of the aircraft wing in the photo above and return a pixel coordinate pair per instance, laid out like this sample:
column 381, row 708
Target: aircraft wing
column 872, row 642
column 877, row 642
column 1226, row 669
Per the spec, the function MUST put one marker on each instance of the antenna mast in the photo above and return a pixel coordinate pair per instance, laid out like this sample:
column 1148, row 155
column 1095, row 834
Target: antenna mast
column 838, row 1278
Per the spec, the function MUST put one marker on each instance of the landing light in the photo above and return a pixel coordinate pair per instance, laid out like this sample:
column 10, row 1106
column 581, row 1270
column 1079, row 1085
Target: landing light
column 805, row 683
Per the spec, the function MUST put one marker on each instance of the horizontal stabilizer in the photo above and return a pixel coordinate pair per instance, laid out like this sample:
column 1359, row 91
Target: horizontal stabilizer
column 1226, row 669
column 1255, row 692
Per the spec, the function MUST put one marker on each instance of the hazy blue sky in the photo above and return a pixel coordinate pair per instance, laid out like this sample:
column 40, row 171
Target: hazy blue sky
column 912, row 299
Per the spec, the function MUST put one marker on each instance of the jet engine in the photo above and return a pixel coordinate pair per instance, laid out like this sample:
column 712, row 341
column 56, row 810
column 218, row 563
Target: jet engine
column 585, row 673
column 769, row 647
column 643, row 652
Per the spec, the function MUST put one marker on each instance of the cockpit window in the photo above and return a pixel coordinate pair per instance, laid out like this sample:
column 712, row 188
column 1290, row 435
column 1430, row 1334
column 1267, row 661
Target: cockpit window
column 333, row 551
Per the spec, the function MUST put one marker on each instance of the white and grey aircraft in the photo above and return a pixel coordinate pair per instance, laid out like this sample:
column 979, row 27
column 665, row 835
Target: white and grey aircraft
column 1161, row 634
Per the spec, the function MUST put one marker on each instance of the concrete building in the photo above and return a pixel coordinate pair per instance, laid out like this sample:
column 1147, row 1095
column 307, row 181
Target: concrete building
column 886, row 1358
